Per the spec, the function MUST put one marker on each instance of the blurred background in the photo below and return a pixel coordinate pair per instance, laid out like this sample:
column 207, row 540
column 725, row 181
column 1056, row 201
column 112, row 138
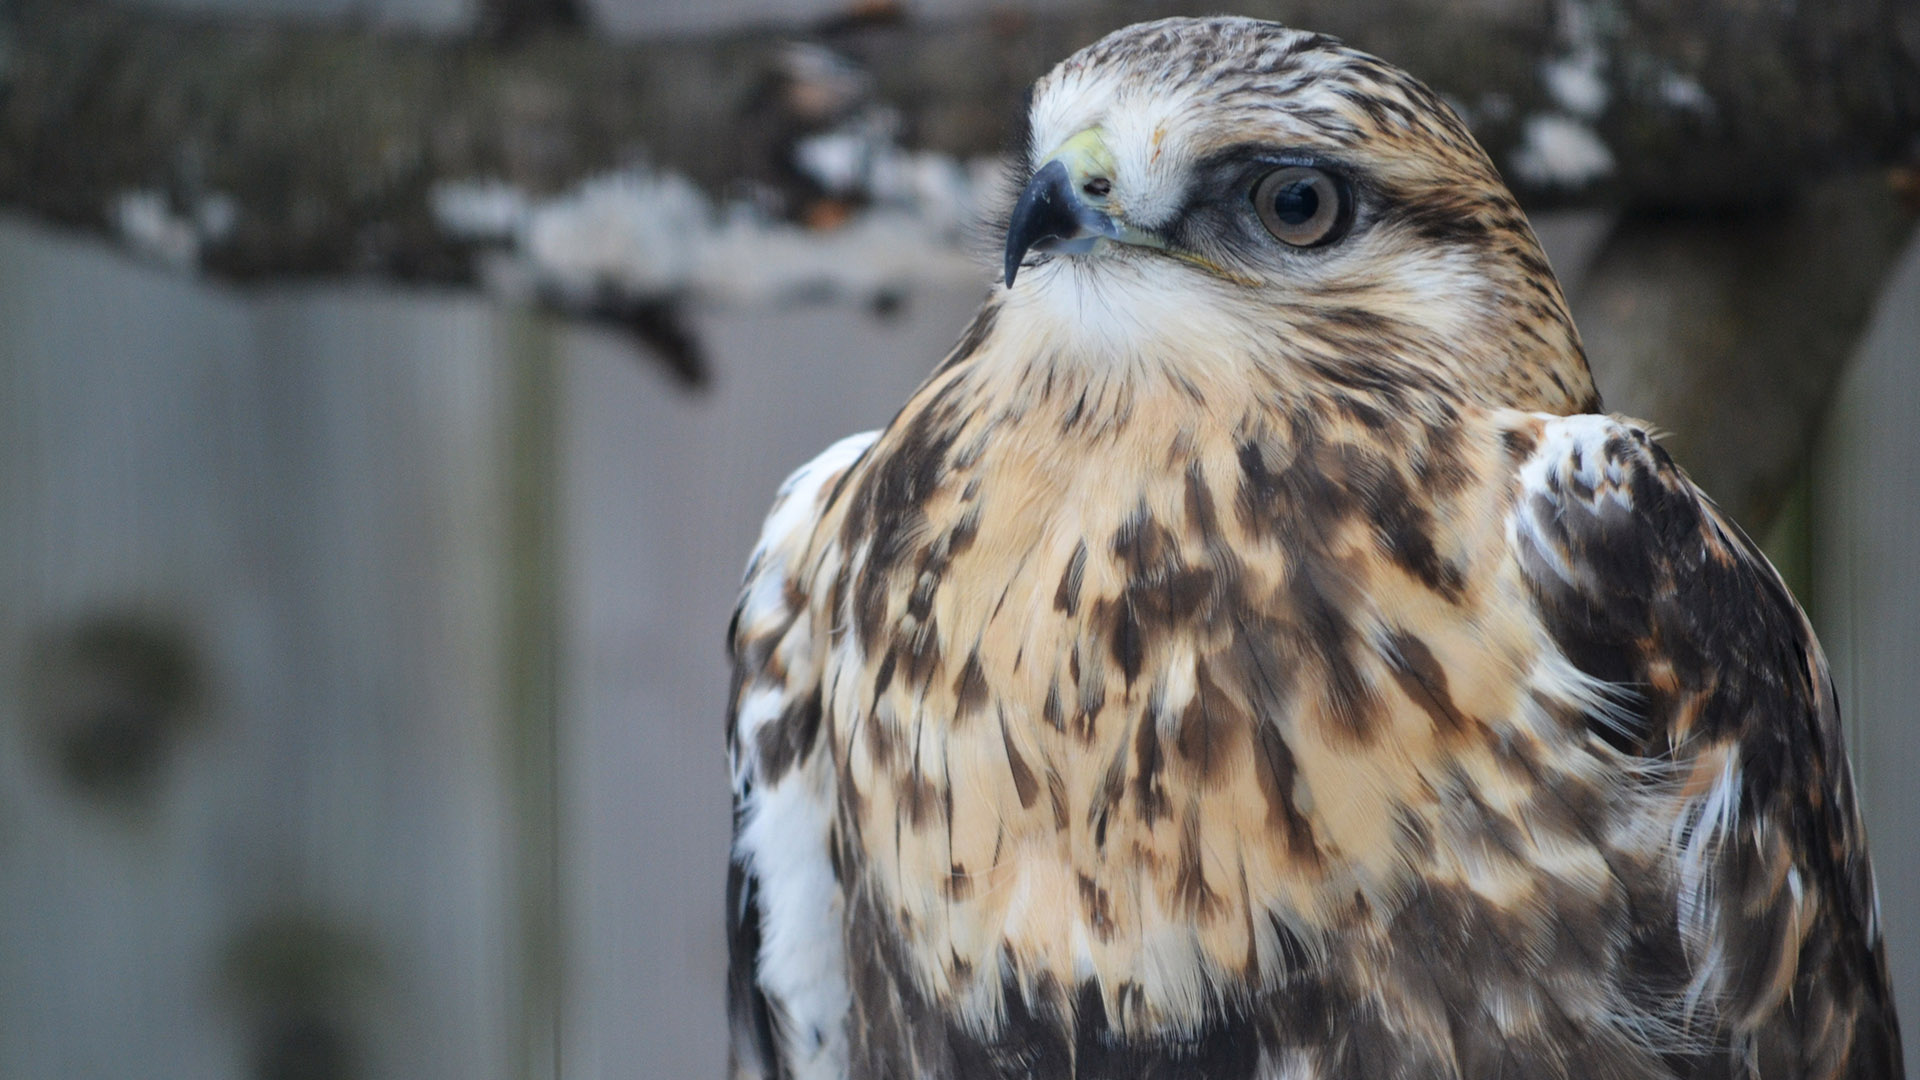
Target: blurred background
column 390, row 391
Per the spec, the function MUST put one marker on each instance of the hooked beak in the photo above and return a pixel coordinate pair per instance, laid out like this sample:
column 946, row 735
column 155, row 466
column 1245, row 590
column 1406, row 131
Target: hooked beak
column 1064, row 207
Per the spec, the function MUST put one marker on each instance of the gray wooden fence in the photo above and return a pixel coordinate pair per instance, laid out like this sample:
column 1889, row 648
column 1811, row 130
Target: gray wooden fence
column 258, row 791
column 1866, row 604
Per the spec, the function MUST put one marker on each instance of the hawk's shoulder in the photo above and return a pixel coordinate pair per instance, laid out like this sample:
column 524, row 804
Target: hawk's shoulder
column 1643, row 584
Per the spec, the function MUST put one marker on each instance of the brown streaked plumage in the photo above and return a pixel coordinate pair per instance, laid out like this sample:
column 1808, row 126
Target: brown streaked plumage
column 1242, row 659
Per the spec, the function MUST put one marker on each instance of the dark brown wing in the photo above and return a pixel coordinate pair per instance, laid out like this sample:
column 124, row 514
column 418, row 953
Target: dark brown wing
column 1645, row 585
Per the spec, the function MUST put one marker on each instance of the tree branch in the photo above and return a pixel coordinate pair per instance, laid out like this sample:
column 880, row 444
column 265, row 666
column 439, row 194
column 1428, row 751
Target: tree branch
column 327, row 142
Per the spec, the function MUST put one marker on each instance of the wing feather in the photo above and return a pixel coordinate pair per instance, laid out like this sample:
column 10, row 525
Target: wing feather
column 1645, row 585
column 787, row 992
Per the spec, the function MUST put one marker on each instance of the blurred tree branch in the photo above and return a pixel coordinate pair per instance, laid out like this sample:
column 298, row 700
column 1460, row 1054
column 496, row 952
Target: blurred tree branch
column 300, row 151
column 328, row 140
column 507, row 22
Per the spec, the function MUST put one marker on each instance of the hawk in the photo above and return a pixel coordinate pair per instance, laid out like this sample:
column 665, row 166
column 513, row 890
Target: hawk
column 1251, row 652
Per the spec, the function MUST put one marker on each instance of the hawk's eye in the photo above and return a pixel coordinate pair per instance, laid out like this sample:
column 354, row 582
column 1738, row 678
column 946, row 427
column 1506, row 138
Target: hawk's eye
column 1303, row 206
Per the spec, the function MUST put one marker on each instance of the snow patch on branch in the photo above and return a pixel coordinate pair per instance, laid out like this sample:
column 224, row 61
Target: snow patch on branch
column 1576, row 80
column 150, row 226
column 1577, row 83
column 1684, row 93
column 479, row 209
column 866, row 218
column 1560, row 151
column 639, row 234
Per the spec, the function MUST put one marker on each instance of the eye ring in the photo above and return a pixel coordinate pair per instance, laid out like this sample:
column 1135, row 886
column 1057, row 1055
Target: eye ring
column 1302, row 206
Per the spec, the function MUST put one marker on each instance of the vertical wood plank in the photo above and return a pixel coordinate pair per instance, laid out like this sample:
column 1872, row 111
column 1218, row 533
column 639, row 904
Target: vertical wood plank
column 665, row 492
column 340, row 501
column 1866, row 603
column 531, row 666
column 116, row 501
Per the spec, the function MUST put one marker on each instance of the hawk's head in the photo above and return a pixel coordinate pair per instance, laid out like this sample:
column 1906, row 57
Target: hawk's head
column 1230, row 187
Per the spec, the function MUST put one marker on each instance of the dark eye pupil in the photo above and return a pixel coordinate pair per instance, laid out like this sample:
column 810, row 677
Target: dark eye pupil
column 1296, row 203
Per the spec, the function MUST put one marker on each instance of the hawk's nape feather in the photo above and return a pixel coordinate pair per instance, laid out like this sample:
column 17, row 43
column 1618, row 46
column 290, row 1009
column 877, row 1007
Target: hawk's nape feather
column 1237, row 660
